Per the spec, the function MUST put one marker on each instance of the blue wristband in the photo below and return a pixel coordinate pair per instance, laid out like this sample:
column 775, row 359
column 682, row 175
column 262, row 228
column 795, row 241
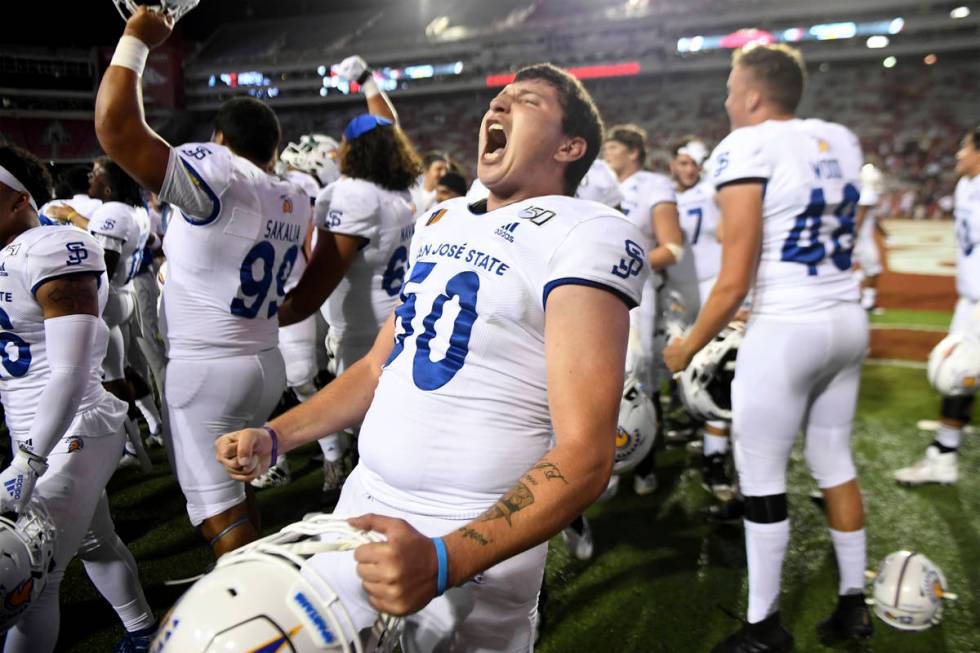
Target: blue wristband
column 443, row 560
column 275, row 444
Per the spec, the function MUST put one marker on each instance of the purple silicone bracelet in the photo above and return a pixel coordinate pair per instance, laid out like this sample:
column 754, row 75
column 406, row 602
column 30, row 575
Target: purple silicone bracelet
column 275, row 444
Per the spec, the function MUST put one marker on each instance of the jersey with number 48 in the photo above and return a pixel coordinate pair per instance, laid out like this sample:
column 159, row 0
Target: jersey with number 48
column 36, row 256
column 810, row 171
column 369, row 291
column 229, row 251
column 461, row 410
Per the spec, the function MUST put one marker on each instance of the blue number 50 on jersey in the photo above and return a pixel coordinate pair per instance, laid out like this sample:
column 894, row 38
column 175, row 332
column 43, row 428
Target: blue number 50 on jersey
column 426, row 373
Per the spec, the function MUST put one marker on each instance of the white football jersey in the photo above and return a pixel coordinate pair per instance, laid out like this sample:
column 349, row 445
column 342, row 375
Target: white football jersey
column 642, row 191
column 123, row 229
column 967, row 214
column 699, row 217
column 421, row 199
column 81, row 203
column 811, row 175
column 234, row 238
column 461, row 409
column 36, row 256
column 369, row 291
column 600, row 185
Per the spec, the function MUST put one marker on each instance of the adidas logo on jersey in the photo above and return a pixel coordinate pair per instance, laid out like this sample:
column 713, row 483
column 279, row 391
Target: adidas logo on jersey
column 14, row 487
column 507, row 231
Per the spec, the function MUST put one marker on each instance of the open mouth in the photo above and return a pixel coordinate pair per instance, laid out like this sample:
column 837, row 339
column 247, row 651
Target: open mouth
column 496, row 142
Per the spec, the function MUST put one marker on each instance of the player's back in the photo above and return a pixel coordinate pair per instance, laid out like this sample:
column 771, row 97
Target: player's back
column 810, row 171
column 966, row 211
column 369, row 291
column 228, row 263
column 461, row 410
column 34, row 257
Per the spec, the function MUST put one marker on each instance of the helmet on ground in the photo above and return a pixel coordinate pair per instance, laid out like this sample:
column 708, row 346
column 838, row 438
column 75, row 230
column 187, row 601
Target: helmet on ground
column 176, row 9
column 909, row 591
column 637, row 427
column 26, row 557
column 954, row 365
column 706, row 385
column 256, row 599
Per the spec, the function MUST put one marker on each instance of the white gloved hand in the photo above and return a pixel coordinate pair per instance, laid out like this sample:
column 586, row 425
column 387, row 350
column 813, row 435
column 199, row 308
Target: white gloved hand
column 351, row 68
column 17, row 481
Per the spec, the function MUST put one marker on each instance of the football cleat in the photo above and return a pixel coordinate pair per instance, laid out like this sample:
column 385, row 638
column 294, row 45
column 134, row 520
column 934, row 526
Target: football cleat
column 766, row 636
column 851, row 619
column 275, row 476
column 714, row 477
column 909, row 591
column 136, row 642
column 728, row 512
column 935, row 467
column 644, row 484
column 579, row 540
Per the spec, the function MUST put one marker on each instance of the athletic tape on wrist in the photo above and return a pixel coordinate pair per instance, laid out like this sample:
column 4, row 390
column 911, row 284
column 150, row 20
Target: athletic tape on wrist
column 443, row 572
column 370, row 88
column 676, row 250
column 275, row 444
column 130, row 53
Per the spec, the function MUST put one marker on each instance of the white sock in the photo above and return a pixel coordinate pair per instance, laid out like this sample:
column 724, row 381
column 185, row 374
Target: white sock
column 332, row 447
column 869, row 297
column 949, row 436
column 148, row 407
column 112, row 569
column 851, row 550
column 765, row 548
column 715, row 444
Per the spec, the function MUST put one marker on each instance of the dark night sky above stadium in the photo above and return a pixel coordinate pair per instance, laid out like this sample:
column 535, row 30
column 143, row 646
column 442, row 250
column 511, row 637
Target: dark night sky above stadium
column 84, row 23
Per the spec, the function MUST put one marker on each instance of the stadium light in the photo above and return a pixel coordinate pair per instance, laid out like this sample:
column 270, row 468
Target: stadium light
column 889, row 62
column 875, row 42
column 960, row 12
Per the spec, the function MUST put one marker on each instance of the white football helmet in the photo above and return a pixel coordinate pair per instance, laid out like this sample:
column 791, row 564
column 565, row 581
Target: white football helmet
column 909, row 591
column 954, row 365
column 637, row 427
column 176, row 9
column 26, row 557
column 706, row 385
column 314, row 155
column 257, row 599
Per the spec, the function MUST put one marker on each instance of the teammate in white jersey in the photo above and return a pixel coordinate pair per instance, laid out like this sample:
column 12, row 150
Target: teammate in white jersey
column 787, row 189
column 64, row 427
column 940, row 464
column 699, row 217
column 650, row 202
column 865, row 227
column 512, row 331
column 235, row 236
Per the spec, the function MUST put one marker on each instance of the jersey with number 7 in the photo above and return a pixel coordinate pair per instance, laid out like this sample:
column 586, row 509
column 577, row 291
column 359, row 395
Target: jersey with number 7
column 229, row 252
column 810, row 171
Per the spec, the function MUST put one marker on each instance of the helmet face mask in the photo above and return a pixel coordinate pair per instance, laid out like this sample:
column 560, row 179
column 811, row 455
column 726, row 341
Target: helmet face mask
column 175, row 9
column 314, row 155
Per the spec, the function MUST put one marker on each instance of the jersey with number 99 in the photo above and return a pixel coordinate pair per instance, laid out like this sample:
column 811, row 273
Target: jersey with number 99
column 34, row 257
column 229, row 252
column 461, row 411
column 810, row 174
column 369, row 291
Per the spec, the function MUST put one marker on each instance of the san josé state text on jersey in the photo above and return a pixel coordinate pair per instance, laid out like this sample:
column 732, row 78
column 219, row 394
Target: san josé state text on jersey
column 462, row 252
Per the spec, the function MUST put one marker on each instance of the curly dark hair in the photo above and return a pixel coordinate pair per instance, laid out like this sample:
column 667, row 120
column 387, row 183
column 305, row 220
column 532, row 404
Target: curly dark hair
column 383, row 156
column 125, row 189
column 29, row 171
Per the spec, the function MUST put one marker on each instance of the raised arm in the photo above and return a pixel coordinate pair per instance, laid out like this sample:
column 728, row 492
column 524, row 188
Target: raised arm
column 585, row 343
column 120, row 124
column 355, row 69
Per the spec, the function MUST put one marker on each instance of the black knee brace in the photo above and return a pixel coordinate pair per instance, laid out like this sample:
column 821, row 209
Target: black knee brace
column 769, row 509
column 958, row 408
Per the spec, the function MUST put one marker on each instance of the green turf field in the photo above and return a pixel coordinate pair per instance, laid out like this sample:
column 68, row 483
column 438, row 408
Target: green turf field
column 912, row 319
column 659, row 573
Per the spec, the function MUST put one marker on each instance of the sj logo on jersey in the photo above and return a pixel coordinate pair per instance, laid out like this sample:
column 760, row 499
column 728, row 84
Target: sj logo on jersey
column 76, row 253
column 632, row 263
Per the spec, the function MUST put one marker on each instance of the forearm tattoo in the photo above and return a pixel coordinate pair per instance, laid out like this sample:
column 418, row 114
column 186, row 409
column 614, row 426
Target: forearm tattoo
column 521, row 496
